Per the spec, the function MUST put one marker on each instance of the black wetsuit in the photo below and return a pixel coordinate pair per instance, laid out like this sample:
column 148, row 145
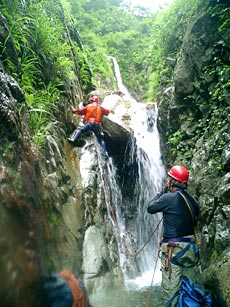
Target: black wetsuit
column 177, row 218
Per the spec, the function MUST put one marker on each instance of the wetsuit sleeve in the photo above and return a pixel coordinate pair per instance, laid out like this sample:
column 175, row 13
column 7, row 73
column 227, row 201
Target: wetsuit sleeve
column 105, row 111
column 158, row 203
column 80, row 111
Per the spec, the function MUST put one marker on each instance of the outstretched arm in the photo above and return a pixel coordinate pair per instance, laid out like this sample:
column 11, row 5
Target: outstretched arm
column 158, row 203
column 105, row 111
column 79, row 111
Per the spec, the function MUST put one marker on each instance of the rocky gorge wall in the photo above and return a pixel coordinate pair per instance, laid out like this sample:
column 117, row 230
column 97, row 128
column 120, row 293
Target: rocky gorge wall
column 45, row 206
column 53, row 205
column 36, row 202
column 194, row 124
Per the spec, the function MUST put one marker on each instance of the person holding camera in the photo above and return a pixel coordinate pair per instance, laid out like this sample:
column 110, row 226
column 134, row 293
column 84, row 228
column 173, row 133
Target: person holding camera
column 179, row 247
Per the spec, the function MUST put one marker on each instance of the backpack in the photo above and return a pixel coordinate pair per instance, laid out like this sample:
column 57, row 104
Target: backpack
column 190, row 295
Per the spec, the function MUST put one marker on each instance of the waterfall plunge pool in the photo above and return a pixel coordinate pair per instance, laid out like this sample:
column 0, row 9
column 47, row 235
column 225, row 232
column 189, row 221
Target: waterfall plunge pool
column 126, row 296
column 133, row 293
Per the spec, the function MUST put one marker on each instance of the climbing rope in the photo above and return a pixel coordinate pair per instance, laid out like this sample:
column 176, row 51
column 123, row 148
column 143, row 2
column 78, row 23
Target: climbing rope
column 155, row 267
column 79, row 299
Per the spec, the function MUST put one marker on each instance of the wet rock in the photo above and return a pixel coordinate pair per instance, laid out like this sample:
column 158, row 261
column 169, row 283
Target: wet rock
column 96, row 260
column 217, row 277
column 226, row 157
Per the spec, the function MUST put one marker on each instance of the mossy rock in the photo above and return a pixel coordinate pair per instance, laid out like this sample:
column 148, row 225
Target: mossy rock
column 216, row 279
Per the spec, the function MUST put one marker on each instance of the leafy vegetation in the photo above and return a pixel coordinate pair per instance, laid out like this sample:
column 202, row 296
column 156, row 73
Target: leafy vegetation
column 46, row 58
column 113, row 28
column 145, row 44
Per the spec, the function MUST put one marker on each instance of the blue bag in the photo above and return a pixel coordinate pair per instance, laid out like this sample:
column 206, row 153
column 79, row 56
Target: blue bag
column 58, row 293
column 190, row 295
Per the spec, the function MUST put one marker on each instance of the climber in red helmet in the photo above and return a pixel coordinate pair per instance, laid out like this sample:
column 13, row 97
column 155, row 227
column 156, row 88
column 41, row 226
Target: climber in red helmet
column 93, row 114
column 179, row 251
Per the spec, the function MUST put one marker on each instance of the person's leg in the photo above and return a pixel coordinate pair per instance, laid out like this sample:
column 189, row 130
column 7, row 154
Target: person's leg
column 99, row 135
column 75, row 136
column 103, row 149
column 171, row 275
column 77, row 133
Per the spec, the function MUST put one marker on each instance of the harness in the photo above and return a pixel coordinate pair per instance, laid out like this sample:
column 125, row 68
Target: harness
column 173, row 242
column 194, row 217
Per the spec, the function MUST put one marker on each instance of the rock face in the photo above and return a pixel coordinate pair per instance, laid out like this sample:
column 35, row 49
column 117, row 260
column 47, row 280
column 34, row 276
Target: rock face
column 197, row 125
column 52, row 201
column 42, row 219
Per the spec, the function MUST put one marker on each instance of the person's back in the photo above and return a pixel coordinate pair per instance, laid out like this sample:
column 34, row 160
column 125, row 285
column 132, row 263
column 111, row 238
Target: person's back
column 64, row 289
column 179, row 253
column 93, row 114
column 178, row 220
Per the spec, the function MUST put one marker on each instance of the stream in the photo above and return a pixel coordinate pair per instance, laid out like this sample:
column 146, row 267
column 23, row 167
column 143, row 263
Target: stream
column 127, row 296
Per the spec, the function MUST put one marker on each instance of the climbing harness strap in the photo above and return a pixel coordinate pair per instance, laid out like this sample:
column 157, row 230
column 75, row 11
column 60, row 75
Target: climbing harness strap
column 167, row 240
column 168, row 261
column 191, row 210
column 175, row 258
column 190, row 241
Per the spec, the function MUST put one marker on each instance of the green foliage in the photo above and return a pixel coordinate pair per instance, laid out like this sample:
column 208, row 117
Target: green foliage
column 84, row 70
column 166, row 40
column 144, row 45
column 41, row 105
column 30, row 73
column 106, row 29
column 223, row 16
column 180, row 146
column 44, row 55
column 97, row 59
column 53, row 219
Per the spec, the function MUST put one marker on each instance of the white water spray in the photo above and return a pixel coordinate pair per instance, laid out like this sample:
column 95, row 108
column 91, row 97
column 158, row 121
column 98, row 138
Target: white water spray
column 145, row 153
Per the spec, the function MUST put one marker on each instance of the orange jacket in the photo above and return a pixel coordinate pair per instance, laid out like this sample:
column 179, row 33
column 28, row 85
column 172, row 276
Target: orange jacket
column 93, row 113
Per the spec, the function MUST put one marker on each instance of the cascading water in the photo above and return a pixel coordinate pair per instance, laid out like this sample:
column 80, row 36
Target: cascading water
column 144, row 153
column 145, row 150
column 128, row 266
column 117, row 74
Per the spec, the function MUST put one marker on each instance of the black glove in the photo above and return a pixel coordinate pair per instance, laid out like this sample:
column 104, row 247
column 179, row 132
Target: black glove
column 165, row 189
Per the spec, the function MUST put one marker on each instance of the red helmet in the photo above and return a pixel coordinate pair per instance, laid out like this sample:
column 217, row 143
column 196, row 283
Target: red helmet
column 94, row 99
column 180, row 173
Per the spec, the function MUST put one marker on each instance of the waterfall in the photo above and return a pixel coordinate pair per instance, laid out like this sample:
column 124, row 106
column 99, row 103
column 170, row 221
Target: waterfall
column 127, row 265
column 145, row 151
column 117, row 74
column 146, row 170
